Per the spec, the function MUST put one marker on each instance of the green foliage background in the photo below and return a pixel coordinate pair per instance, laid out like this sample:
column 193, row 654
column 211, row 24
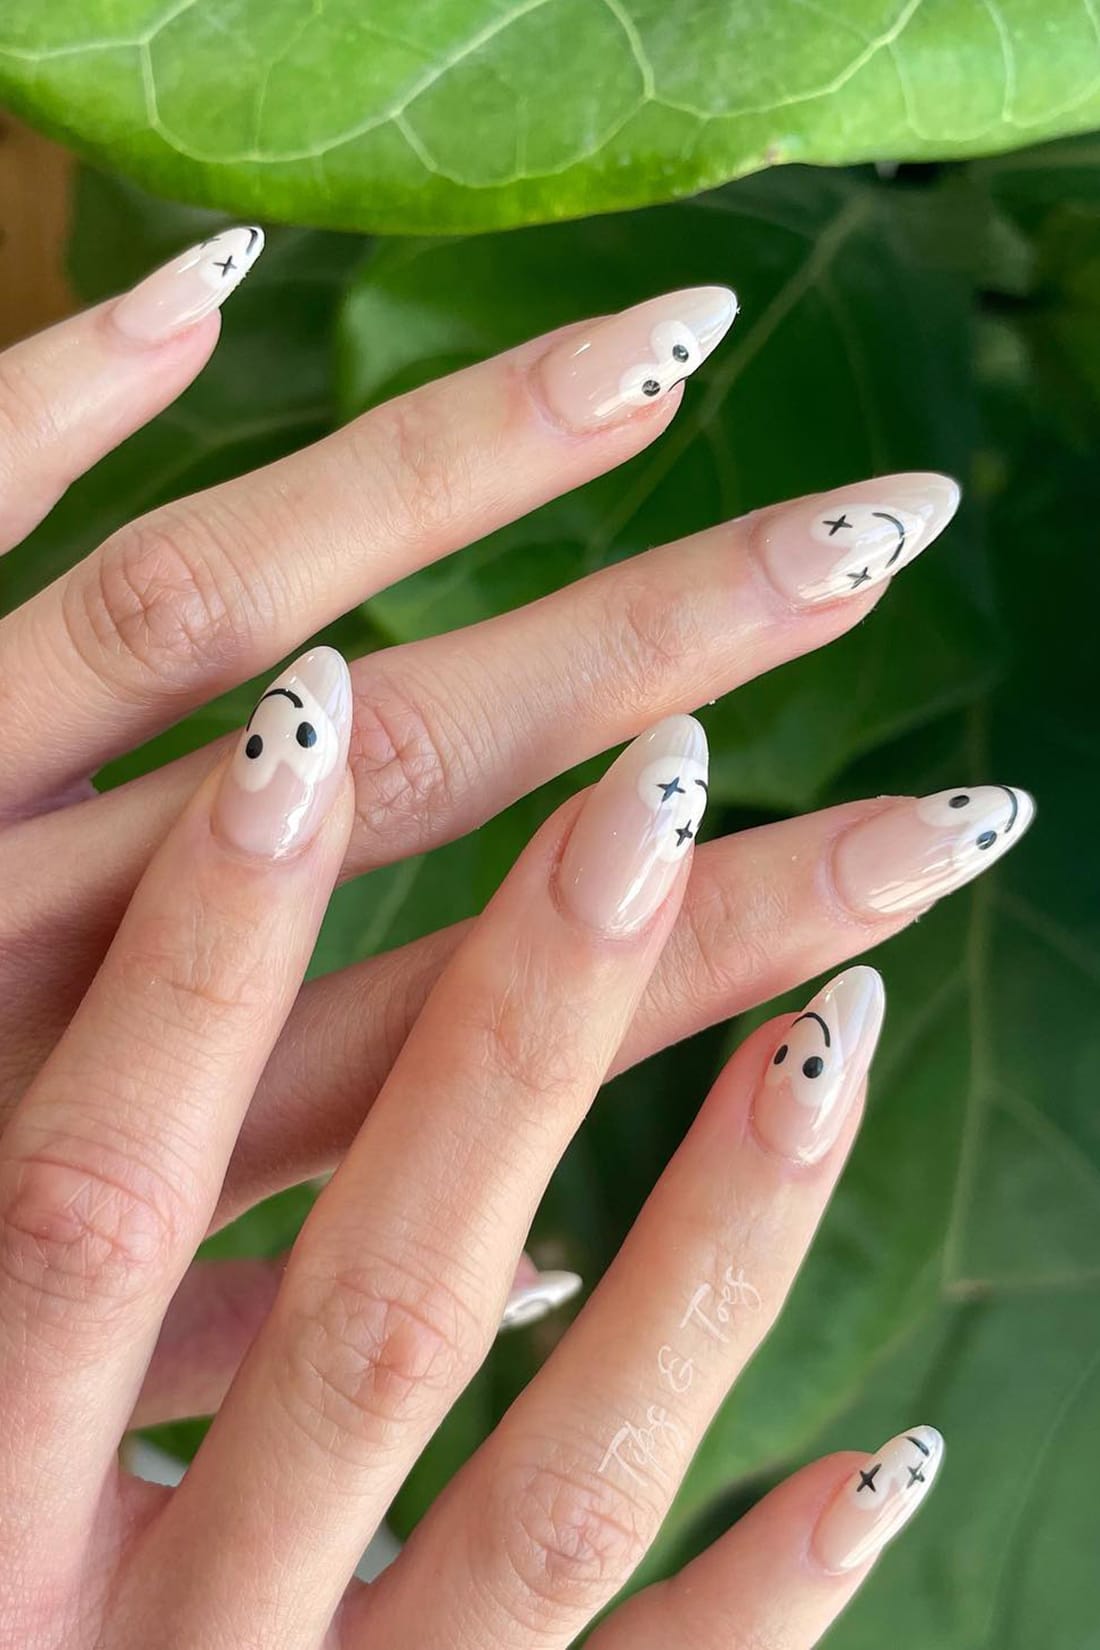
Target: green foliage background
column 936, row 315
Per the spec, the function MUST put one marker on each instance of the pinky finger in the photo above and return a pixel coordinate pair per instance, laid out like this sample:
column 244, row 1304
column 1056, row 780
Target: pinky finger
column 784, row 1573
column 72, row 393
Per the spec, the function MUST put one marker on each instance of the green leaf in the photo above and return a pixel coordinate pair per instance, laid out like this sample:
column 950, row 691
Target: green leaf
column 475, row 114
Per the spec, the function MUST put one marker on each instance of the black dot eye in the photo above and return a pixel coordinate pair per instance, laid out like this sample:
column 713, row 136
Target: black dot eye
column 960, row 801
column 254, row 747
column 679, row 352
column 987, row 839
column 306, row 734
column 780, row 1054
column 813, row 1067
column 651, row 387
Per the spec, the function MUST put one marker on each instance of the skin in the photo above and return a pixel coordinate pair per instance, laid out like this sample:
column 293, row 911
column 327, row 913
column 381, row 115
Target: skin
column 162, row 1069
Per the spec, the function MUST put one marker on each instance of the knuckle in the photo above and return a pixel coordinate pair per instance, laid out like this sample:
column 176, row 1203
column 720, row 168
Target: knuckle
column 532, row 1034
column 421, row 461
column 211, row 972
column 407, row 763
column 656, row 638
column 28, row 424
column 366, row 1359
column 570, row 1539
column 93, row 1234
column 164, row 597
column 732, row 926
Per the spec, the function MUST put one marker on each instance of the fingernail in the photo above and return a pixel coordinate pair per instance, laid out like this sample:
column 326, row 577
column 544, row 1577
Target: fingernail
column 532, row 1301
column 290, row 760
column 835, row 544
column 817, row 1068
column 878, row 1500
column 636, row 827
column 633, row 359
column 182, row 292
column 913, row 853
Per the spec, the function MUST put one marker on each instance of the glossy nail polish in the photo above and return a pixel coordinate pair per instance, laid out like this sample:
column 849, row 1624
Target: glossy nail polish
column 914, row 852
column 837, row 544
column 636, row 827
column 878, row 1499
column 191, row 286
column 290, row 760
column 634, row 359
column 816, row 1069
column 529, row 1302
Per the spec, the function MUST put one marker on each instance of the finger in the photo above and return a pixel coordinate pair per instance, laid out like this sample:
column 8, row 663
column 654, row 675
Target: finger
column 110, row 1167
column 784, row 1573
column 764, row 911
column 203, row 593
column 397, row 1283
column 541, row 690
column 220, row 1307
column 68, row 395
column 573, row 1485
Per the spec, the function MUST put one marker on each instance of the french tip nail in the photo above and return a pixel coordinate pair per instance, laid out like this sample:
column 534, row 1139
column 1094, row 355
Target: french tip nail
column 190, row 287
column 625, row 362
column 817, row 1068
column 290, row 759
column 635, row 828
column 533, row 1301
column 878, row 1500
column 853, row 539
column 913, row 853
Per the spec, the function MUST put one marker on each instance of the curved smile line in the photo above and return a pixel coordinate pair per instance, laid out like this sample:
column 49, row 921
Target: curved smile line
column 810, row 1015
column 884, row 515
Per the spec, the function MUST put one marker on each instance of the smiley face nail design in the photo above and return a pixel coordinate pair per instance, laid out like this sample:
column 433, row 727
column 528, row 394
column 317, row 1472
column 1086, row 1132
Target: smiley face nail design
column 675, row 788
column 870, row 542
column 915, row 851
column 815, row 1070
column 820, row 549
column 878, row 1499
column 676, row 353
column 290, row 757
column 185, row 291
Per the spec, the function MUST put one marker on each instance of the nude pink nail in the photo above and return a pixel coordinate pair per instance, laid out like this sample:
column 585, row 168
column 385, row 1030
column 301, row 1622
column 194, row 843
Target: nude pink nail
column 190, row 287
column 878, row 1500
column 837, row 544
column 634, row 359
column 534, row 1298
column 636, row 827
column 914, row 852
column 290, row 760
column 818, row 1067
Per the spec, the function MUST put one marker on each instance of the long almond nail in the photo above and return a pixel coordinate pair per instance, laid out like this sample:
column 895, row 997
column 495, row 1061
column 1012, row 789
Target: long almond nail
column 633, row 359
column 835, row 544
column 544, row 1294
column 191, row 286
column 918, row 850
column 878, row 1500
column 817, row 1068
column 290, row 760
column 636, row 827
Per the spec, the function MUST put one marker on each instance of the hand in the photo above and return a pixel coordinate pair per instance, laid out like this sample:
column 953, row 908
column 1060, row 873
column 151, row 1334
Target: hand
column 106, row 1195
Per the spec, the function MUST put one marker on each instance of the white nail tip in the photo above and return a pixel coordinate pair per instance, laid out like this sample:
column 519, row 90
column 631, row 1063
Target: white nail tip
column 674, row 784
column 222, row 262
column 879, row 1499
column 985, row 821
column 535, row 1300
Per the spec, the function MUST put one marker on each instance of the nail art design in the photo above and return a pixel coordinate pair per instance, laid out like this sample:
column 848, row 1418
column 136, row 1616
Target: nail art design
column 676, row 790
column 816, row 1070
column 878, row 1499
column 290, row 758
column 817, row 550
column 635, row 828
column 532, row 1301
column 633, row 359
column 191, row 286
column 916, row 851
